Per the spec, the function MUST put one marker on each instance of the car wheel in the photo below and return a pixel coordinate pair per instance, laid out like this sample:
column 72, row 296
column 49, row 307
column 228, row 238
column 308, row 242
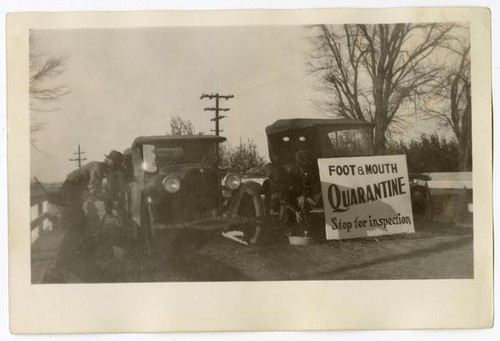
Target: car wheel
column 421, row 202
column 145, row 230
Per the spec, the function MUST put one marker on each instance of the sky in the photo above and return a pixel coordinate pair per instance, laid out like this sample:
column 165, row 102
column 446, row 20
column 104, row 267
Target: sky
column 126, row 83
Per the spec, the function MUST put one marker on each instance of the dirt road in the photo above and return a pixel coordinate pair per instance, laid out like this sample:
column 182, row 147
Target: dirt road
column 436, row 250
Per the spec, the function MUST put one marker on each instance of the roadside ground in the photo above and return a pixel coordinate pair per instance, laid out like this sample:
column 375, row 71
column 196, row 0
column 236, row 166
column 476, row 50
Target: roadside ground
column 438, row 249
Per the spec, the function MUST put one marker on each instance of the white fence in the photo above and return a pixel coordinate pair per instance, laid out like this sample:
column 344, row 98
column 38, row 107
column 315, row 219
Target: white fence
column 457, row 180
column 41, row 219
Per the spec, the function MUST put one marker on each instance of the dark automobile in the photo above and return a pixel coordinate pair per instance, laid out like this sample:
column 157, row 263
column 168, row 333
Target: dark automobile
column 293, row 189
column 176, row 181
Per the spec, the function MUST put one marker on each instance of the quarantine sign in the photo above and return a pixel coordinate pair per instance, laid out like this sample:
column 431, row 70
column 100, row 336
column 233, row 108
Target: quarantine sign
column 366, row 196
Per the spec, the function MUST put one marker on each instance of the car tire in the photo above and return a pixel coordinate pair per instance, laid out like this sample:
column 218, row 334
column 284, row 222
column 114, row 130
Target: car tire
column 422, row 203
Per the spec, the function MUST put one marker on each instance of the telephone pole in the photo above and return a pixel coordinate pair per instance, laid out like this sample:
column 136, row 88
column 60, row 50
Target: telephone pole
column 79, row 159
column 217, row 109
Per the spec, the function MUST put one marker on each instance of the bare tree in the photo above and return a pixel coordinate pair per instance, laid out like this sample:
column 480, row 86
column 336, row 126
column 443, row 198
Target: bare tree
column 180, row 126
column 455, row 92
column 44, row 88
column 370, row 72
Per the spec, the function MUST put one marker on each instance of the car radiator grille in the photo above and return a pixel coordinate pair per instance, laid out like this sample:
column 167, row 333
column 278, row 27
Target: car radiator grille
column 200, row 197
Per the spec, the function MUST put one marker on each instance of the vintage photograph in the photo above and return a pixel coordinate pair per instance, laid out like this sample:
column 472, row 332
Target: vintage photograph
column 257, row 170
column 251, row 153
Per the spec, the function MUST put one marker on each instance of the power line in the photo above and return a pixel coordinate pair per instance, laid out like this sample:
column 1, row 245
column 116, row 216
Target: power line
column 79, row 159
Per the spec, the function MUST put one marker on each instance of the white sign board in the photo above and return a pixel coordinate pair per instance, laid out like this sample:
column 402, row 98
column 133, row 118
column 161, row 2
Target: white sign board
column 366, row 196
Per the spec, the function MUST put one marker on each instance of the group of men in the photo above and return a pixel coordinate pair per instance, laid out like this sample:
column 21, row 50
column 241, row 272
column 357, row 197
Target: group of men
column 293, row 190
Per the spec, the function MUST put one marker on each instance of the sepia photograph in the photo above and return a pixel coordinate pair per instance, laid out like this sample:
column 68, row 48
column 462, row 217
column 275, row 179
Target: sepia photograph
column 249, row 170
column 191, row 153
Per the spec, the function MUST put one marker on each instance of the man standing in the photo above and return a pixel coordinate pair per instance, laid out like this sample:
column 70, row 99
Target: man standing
column 309, row 193
column 70, row 197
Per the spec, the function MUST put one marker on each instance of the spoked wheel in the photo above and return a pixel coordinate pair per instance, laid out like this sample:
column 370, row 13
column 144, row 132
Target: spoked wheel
column 252, row 209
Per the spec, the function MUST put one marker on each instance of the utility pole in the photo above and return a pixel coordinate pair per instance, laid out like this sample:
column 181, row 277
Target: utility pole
column 217, row 109
column 79, row 158
column 217, row 117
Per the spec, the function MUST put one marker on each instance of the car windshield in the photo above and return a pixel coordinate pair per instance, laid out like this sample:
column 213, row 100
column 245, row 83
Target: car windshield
column 185, row 152
column 351, row 142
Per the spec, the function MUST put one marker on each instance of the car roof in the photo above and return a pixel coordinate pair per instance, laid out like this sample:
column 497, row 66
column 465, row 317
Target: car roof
column 153, row 139
column 310, row 123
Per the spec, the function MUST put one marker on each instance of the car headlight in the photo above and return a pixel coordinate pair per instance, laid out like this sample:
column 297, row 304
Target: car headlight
column 171, row 184
column 232, row 181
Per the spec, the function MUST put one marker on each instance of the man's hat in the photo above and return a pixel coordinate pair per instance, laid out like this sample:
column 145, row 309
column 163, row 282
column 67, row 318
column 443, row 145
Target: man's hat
column 116, row 157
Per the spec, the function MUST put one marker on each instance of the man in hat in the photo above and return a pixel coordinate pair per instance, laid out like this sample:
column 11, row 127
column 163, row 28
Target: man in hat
column 115, row 180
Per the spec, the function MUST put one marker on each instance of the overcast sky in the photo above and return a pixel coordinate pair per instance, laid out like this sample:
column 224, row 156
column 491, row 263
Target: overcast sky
column 128, row 82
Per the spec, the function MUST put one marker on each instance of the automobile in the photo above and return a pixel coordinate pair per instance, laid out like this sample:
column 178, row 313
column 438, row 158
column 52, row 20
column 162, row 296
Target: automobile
column 290, row 140
column 177, row 182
